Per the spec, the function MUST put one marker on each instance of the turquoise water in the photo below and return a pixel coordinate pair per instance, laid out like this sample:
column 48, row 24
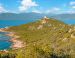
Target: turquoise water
column 4, row 23
column 4, row 41
column 69, row 21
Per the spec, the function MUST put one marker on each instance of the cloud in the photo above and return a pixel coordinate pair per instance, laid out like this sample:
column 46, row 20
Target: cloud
column 70, row 11
column 73, row 7
column 53, row 10
column 56, row 9
column 72, row 3
column 36, row 11
column 2, row 9
column 26, row 4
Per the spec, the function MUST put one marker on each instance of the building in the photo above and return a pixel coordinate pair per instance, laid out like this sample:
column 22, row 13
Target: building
column 45, row 20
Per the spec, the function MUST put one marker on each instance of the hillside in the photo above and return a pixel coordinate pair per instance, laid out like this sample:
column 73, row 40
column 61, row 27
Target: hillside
column 64, row 16
column 20, row 16
column 45, row 38
column 33, row 16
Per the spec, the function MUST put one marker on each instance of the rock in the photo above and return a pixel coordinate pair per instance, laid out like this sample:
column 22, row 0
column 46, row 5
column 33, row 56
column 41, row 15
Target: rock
column 32, row 28
column 6, row 27
column 72, row 36
column 70, row 30
column 40, row 27
column 65, row 39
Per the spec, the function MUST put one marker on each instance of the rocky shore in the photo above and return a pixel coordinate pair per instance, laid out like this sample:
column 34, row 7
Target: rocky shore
column 16, row 43
column 14, row 39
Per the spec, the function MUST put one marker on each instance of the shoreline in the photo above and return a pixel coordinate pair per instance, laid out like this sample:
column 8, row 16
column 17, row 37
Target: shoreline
column 16, row 44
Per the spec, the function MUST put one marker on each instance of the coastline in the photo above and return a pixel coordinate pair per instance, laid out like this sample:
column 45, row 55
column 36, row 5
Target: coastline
column 14, row 39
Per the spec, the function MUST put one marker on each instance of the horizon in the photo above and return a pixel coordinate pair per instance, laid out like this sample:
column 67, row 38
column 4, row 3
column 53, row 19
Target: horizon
column 37, row 6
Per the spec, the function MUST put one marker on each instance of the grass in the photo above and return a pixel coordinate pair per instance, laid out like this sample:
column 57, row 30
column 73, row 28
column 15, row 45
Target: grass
column 47, row 42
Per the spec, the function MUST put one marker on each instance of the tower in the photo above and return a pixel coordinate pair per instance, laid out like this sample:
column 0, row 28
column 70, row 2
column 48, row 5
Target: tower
column 45, row 20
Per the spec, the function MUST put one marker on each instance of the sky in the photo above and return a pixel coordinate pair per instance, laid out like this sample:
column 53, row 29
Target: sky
column 37, row 6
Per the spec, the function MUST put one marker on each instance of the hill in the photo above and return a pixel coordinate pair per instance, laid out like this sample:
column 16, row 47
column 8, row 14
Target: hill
column 33, row 16
column 45, row 38
column 64, row 16
column 20, row 16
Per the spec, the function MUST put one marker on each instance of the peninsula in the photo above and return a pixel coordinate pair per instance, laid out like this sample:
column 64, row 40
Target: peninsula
column 45, row 38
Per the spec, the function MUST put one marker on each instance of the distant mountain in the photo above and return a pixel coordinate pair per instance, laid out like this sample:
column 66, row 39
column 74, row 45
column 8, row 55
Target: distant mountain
column 64, row 16
column 21, row 16
column 33, row 16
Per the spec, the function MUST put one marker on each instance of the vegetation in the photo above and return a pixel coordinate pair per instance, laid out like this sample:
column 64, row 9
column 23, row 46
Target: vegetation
column 52, row 39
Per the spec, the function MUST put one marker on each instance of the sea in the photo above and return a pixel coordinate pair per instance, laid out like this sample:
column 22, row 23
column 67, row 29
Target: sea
column 4, row 40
